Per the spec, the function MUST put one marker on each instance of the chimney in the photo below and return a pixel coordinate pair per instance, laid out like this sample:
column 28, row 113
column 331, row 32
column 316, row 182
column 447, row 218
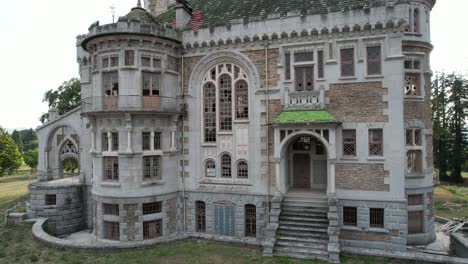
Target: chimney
column 183, row 13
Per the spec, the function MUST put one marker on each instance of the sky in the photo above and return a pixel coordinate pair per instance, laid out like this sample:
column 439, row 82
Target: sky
column 38, row 48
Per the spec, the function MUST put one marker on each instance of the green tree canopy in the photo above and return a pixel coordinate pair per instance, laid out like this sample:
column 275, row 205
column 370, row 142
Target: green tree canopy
column 10, row 157
column 29, row 139
column 31, row 158
column 16, row 135
column 64, row 99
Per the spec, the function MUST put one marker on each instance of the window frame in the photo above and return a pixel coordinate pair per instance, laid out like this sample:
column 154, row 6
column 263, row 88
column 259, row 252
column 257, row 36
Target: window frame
column 110, row 78
column 152, row 208
column 305, row 69
column 50, row 199
column 225, row 167
column 148, row 227
column 372, row 142
column 111, row 161
column 129, row 57
column 376, row 62
column 115, row 141
column 351, row 62
column 210, row 162
column 418, row 229
column 111, row 230
column 110, row 209
column 152, row 168
column 200, row 216
column 349, row 220
column 250, row 220
column 377, row 217
column 154, row 78
column 344, row 143
column 238, row 169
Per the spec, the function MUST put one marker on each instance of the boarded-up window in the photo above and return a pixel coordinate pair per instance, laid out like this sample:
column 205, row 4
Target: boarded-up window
column 152, row 229
column 200, row 216
column 375, row 142
column 374, row 60
column 415, row 199
column 111, row 168
column 110, row 209
column 51, row 199
column 415, row 222
column 209, row 108
column 250, row 214
column 210, row 169
column 347, row 62
column 152, row 208
column 350, row 216
column 111, row 230
column 349, row 142
column 376, row 217
column 152, row 168
column 224, row 220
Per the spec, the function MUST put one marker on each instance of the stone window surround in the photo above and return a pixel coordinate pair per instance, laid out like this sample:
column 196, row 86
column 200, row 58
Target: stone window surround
column 110, row 151
column 108, row 55
column 371, row 45
column 420, row 57
column 416, row 124
column 422, row 207
column 152, row 150
column 236, row 168
column 291, row 51
column 152, row 57
column 363, row 219
column 361, row 132
column 234, row 180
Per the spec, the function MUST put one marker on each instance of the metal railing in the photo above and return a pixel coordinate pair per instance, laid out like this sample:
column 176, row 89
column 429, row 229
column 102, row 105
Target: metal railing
column 131, row 103
column 305, row 99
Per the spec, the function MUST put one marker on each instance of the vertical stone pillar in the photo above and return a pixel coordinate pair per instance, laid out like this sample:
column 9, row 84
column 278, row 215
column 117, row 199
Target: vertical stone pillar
column 173, row 140
column 109, row 141
column 93, row 140
column 152, row 140
column 333, row 230
column 128, row 126
column 332, row 178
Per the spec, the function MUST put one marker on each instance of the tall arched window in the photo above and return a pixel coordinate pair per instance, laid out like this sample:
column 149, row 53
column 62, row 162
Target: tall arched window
column 225, row 103
column 210, row 169
column 226, row 166
column 416, row 20
column 242, row 170
column 209, row 110
column 225, row 98
column 250, row 214
column 242, row 100
column 200, row 216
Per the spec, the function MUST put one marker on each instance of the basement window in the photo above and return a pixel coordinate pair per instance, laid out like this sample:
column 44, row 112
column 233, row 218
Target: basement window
column 376, row 217
column 152, row 229
column 111, row 209
column 201, row 216
column 111, row 230
column 350, row 216
column 51, row 199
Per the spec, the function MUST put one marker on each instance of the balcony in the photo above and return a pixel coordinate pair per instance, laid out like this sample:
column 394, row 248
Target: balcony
column 122, row 103
column 300, row 100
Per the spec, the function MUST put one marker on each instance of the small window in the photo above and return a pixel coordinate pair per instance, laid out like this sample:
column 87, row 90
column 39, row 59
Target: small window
column 413, row 162
column 376, row 217
column 330, row 51
column 111, row 230
column 146, row 61
column 111, row 209
column 242, row 100
column 375, row 142
column 105, row 141
column 152, row 168
column 152, row 208
column 111, row 83
column 303, row 56
column 157, row 141
column 320, row 64
column 115, row 141
column 349, row 142
column 287, row 66
column 157, row 63
column 152, row 229
column 201, row 216
column 250, row 220
column 226, row 166
column 151, row 84
column 129, row 57
column 51, row 199
column 105, row 62
column 242, row 170
column 146, row 140
column 374, row 60
column 416, row 199
column 347, row 62
column 412, row 84
column 350, row 216
column 413, row 137
column 114, row 61
column 111, row 169
column 304, row 78
column 210, row 169
column 416, row 20
column 415, row 222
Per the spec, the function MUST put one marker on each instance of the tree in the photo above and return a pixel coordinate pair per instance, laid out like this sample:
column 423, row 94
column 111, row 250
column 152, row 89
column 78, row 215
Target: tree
column 440, row 127
column 64, row 99
column 31, row 159
column 10, row 157
column 18, row 140
column 29, row 139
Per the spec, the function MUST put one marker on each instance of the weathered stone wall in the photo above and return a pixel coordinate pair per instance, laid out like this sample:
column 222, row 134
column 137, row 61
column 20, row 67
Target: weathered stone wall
column 130, row 219
column 258, row 58
column 171, row 215
column 364, row 177
column 358, row 102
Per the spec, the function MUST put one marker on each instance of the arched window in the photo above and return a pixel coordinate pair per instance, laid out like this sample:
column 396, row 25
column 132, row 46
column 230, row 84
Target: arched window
column 242, row 170
column 250, row 220
column 226, row 166
column 200, row 216
column 225, row 103
column 242, row 100
column 416, row 20
column 210, row 169
column 209, row 111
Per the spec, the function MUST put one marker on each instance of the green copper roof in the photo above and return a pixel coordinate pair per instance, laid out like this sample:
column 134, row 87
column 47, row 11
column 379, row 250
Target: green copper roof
column 304, row 117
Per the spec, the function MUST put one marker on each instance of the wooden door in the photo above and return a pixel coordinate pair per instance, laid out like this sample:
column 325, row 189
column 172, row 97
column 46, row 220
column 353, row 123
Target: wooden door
column 301, row 171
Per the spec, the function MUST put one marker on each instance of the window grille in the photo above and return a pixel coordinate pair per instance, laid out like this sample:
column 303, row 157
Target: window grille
column 347, row 62
column 287, row 66
column 349, row 142
column 225, row 102
column 304, row 78
column 415, row 222
column 146, row 138
column 152, row 229
column 129, row 57
column 209, row 109
column 152, row 167
column 115, row 141
column 416, row 199
column 250, row 220
column 146, row 61
column 412, row 84
column 242, row 170
column 50, row 199
column 111, row 230
column 200, row 216
column 105, row 142
column 320, row 64
column 413, row 137
column 350, row 216
column 413, row 162
column 374, row 60
column 114, row 61
column 226, row 166
column 111, row 209
column 157, row 140
column 417, row 137
column 376, row 217
column 111, row 169
column 303, row 143
column 376, row 142
column 242, row 100
column 151, row 84
column 210, row 169
column 157, row 63
column 152, row 208
column 303, row 56
column 111, row 83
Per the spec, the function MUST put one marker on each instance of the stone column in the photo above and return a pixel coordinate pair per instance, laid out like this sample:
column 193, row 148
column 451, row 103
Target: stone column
column 129, row 139
column 332, row 178
column 109, row 141
column 173, row 131
column 151, row 140
column 93, row 140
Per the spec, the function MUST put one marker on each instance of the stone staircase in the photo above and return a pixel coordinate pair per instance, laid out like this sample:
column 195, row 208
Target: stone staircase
column 303, row 227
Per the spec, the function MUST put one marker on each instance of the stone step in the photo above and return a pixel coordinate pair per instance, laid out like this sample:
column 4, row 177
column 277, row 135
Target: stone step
column 302, row 234
column 302, row 251
column 304, row 229
column 305, row 207
column 305, row 204
column 302, row 224
column 305, row 199
column 302, row 245
column 304, row 214
column 301, row 219
column 303, row 240
column 301, row 256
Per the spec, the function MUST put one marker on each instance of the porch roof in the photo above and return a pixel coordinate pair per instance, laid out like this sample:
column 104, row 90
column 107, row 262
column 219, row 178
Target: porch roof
column 310, row 116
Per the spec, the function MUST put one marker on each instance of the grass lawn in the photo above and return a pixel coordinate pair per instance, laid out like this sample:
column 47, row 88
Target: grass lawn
column 13, row 189
column 452, row 194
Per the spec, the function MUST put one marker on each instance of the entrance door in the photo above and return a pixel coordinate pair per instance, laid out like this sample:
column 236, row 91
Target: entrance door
column 301, row 171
